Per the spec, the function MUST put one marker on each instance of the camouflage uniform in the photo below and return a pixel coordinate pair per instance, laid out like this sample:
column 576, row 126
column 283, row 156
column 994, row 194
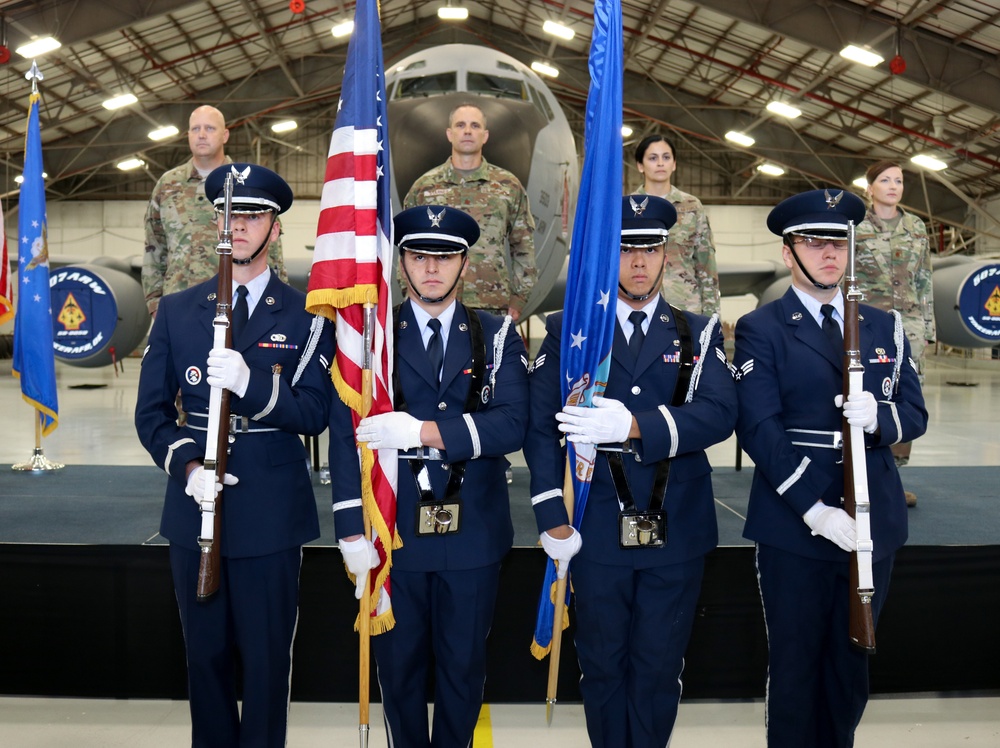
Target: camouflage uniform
column 181, row 236
column 894, row 272
column 497, row 277
column 691, row 278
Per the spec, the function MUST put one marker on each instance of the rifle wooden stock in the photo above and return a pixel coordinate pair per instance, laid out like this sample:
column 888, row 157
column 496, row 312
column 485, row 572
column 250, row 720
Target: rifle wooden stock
column 217, row 444
column 861, row 625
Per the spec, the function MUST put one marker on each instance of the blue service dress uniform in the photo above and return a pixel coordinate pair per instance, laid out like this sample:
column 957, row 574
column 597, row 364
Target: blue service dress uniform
column 444, row 587
column 787, row 374
column 635, row 606
column 266, row 517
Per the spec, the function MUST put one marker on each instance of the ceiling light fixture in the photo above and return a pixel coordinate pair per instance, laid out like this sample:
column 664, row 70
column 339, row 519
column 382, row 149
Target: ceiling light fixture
column 342, row 29
column 783, row 110
column 557, row 29
column 626, row 131
column 543, row 68
column 451, row 12
column 285, row 126
column 117, row 102
column 20, row 177
column 928, row 162
column 861, row 183
column 38, row 47
column 861, row 55
column 772, row 170
column 131, row 163
column 740, row 138
column 162, row 133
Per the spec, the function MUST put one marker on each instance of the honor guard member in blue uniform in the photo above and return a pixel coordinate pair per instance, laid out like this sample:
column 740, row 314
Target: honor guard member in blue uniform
column 788, row 377
column 278, row 376
column 650, row 516
column 461, row 393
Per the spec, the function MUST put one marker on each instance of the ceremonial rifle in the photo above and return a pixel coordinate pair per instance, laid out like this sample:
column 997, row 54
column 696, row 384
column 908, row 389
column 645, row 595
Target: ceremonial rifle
column 856, row 501
column 217, row 438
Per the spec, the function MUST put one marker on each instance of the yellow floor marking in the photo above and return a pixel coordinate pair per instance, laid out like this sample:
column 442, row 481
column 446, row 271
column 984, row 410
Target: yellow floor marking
column 483, row 737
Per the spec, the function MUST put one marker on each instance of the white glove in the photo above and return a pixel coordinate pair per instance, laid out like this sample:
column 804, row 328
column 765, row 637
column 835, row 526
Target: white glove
column 227, row 369
column 390, row 431
column 359, row 557
column 196, row 484
column 834, row 524
column 561, row 550
column 607, row 422
column 861, row 409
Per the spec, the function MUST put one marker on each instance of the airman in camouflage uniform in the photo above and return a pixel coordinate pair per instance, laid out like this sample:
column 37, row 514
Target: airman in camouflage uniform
column 501, row 270
column 893, row 267
column 691, row 278
column 181, row 234
column 894, row 271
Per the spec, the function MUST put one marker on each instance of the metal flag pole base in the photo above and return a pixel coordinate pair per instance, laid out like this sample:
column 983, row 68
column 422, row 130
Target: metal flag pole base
column 363, row 735
column 38, row 462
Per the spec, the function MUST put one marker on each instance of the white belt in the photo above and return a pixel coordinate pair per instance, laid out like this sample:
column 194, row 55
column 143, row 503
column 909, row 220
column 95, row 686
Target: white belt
column 822, row 439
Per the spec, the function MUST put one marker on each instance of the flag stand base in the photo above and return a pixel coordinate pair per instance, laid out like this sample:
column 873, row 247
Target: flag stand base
column 38, row 462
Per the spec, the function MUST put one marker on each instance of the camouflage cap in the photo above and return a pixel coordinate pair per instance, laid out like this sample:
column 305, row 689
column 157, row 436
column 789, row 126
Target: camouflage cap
column 255, row 189
column 435, row 230
column 820, row 213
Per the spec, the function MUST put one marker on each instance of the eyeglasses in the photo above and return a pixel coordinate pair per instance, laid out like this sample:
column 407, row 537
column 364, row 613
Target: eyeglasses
column 814, row 242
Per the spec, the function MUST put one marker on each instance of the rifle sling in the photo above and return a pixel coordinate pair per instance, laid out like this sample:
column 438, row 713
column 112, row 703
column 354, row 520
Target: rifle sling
column 473, row 399
column 619, row 478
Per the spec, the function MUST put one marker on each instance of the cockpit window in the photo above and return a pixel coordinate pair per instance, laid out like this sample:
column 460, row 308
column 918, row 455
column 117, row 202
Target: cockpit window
column 495, row 85
column 427, row 85
column 541, row 103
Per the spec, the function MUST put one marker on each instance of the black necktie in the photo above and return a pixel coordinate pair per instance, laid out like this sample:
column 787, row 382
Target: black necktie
column 635, row 342
column 435, row 347
column 832, row 329
column 241, row 312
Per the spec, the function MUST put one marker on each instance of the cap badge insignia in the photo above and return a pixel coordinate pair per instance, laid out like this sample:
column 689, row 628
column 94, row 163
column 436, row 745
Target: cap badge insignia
column 831, row 200
column 241, row 176
column 638, row 208
column 435, row 219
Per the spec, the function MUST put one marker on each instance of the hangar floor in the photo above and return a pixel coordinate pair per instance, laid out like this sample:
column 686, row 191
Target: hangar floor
column 96, row 429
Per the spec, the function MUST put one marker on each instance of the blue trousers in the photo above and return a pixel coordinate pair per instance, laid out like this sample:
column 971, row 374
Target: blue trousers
column 817, row 682
column 442, row 621
column 633, row 627
column 251, row 620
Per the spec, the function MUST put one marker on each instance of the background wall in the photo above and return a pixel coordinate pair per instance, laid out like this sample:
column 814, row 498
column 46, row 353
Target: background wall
column 81, row 230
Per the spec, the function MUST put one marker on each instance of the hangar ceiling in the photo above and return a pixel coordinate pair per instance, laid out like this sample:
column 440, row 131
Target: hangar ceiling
column 696, row 69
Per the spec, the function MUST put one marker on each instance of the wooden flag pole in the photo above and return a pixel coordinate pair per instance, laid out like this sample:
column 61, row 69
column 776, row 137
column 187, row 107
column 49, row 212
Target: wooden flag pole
column 557, row 619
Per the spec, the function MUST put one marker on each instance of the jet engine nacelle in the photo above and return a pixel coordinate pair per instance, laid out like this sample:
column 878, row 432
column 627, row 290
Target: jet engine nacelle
column 966, row 300
column 98, row 314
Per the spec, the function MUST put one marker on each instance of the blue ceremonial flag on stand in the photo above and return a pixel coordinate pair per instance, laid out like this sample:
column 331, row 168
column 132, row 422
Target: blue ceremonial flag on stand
column 34, row 359
column 592, row 280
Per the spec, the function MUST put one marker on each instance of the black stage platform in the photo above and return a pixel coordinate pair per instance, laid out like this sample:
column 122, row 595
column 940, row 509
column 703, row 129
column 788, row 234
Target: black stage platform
column 88, row 606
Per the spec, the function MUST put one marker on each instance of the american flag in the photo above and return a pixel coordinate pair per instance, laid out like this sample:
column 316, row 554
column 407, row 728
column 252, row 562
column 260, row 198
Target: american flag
column 351, row 267
column 592, row 278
